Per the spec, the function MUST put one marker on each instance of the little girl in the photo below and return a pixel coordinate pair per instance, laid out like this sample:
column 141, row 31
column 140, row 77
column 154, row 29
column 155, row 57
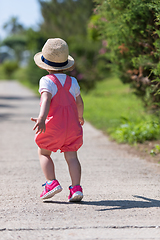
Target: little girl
column 58, row 125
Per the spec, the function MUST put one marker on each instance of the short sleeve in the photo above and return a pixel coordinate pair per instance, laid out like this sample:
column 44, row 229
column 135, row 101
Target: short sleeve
column 75, row 88
column 47, row 85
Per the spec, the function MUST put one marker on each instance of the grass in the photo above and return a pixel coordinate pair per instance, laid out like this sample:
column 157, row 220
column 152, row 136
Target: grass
column 112, row 104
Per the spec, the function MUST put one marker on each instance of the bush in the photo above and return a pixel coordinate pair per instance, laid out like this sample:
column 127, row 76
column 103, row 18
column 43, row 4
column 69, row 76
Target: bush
column 9, row 67
column 89, row 67
column 34, row 73
column 131, row 29
column 137, row 132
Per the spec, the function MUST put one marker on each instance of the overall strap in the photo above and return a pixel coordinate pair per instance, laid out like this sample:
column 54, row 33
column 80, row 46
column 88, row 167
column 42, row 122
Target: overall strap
column 68, row 82
column 55, row 80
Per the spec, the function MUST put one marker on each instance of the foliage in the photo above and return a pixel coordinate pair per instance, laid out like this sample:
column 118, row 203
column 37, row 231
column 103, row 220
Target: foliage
column 12, row 26
column 17, row 43
column 35, row 41
column 113, row 108
column 9, row 67
column 2, row 73
column 66, row 18
column 21, row 75
column 89, row 67
column 34, row 73
column 132, row 132
column 155, row 150
column 131, row 29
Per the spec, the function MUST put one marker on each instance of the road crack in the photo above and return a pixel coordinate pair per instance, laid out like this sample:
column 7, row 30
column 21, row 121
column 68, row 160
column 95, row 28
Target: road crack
column 76, row 228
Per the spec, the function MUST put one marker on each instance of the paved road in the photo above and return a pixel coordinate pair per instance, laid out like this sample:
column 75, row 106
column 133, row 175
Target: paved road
column 121, row 191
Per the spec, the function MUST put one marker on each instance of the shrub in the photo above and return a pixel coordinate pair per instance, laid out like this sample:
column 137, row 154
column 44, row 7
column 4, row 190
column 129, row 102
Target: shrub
column 131, row 29
column 89, row 67
column 9, row 67
column 136, row 132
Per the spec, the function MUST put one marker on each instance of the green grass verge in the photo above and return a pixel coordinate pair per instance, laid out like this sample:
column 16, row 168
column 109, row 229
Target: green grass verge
column 113, row 108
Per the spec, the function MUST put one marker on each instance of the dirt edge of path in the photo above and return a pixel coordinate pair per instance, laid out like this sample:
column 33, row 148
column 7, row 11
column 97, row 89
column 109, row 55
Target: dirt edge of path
column 142, row 150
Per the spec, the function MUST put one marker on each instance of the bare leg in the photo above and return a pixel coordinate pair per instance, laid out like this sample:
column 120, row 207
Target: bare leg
column 74, row 167
column 47, row 164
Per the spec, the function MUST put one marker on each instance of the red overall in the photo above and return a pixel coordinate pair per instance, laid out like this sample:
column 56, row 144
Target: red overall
column 63, row 130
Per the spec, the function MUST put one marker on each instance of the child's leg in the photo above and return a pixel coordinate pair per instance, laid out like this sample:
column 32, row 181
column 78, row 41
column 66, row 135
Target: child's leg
column 47, row 164
column 74, row 167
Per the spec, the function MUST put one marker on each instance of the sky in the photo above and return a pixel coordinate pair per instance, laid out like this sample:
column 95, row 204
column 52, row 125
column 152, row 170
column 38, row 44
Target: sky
column 27, row 11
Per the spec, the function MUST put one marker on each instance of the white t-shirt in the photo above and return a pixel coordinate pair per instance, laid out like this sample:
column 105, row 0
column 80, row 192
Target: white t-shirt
column 46, row 84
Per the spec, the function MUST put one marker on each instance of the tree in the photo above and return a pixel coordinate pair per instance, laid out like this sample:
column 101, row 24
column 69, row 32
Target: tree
column 17, row 43
column 13, row 26
column 131, row 29
column 16, row 39
column 66, row 18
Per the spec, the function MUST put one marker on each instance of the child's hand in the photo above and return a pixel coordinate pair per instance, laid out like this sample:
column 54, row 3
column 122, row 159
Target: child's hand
column 81, row 120
column 40, row 125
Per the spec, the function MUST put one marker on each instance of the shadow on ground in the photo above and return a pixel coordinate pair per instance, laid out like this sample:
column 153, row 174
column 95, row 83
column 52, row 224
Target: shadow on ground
column 117, row 204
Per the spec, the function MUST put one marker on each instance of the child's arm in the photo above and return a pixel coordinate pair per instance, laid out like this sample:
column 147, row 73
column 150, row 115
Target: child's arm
column 80, row 107
column 40, row 121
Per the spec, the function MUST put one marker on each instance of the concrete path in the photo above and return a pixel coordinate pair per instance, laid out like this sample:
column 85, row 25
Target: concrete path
column 121, row 191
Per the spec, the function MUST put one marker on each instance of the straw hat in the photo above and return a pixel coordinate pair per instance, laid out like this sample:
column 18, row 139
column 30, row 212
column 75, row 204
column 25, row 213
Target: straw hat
column 54, row 56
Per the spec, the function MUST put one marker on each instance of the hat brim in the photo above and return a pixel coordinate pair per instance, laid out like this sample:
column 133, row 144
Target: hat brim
column 41, row 64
